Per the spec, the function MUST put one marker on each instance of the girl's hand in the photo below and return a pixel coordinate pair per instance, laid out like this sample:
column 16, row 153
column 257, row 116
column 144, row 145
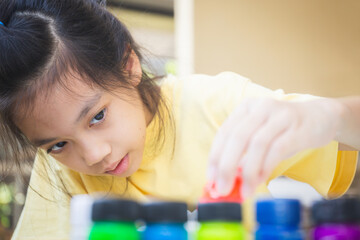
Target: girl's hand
column 260, row 133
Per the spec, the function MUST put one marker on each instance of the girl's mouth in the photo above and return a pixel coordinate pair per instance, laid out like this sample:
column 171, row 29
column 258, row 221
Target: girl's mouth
column 121, row 166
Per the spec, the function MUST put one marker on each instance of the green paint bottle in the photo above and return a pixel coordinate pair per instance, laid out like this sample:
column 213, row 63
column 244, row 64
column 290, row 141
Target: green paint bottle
column 220, row 221
column 114, row 219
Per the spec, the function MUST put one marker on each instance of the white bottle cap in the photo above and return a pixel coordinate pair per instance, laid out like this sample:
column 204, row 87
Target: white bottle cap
column 81, row 206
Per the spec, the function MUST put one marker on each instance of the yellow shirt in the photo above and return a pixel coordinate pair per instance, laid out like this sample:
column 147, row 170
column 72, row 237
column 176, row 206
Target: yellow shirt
column 200, row 104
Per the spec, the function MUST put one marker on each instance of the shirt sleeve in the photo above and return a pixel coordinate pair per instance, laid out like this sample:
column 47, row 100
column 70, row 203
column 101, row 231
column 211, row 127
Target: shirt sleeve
column 326, row 169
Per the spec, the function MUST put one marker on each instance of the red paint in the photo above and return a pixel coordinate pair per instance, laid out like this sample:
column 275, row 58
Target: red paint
column 233, row 196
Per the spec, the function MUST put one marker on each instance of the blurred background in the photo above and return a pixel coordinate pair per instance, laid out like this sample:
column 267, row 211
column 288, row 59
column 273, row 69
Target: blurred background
column 300, row 46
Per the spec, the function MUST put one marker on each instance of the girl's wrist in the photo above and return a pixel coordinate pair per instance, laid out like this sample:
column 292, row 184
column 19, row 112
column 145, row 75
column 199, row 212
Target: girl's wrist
column 340, row 113
column 333, row 113
column 348, row 131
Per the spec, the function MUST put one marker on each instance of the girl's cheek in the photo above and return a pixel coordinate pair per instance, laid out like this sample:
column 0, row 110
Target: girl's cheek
column 67, row 159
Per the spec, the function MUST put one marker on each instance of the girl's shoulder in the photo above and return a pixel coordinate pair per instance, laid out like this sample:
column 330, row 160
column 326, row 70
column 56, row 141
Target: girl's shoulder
column 221, row 79
column 204, row 86
column 200, row 92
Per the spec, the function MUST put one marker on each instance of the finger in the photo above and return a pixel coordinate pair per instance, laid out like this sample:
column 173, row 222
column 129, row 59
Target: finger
column 282, row 148
column 220, row 139
column 253, row 161
column 242, row 112
column 233, row 151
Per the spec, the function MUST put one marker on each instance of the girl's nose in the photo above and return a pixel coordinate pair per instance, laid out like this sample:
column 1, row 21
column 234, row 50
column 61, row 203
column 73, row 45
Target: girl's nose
column 95, row 152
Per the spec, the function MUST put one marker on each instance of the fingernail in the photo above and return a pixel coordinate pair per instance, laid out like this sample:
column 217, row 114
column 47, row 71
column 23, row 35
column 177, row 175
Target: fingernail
column 222, row 187
column 213, row 193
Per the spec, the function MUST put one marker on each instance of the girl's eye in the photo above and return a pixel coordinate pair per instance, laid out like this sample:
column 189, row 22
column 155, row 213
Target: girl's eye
column 56, row 148
column 98, row 117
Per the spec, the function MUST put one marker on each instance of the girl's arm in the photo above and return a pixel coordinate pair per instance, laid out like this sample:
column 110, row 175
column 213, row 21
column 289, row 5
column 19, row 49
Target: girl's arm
column 261, row 133
column 349, row 129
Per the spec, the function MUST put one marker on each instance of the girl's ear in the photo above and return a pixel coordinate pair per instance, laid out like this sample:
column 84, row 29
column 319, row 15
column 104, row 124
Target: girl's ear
column 133, row 68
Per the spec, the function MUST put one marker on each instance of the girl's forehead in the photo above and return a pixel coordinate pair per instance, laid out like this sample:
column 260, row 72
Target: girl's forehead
column 67, row 91
column 60, row 95
column 59, row 111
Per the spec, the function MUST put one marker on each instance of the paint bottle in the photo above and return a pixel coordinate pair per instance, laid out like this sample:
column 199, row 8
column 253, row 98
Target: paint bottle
column 278, row 219
column 220, row 221
column 80, row 217
column 165, row 221
column 210, row 194
column 336, row 219
column 114, row 219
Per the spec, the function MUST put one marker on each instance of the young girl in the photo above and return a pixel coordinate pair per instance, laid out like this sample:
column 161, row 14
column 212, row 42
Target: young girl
column 72, row 91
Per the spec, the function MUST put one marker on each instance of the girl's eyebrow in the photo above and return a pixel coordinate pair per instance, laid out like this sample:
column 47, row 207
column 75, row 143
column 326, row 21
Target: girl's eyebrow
column 89, row 104
column 40, row 142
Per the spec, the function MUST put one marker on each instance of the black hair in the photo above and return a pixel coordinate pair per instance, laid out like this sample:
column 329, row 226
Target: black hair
column 42, row 42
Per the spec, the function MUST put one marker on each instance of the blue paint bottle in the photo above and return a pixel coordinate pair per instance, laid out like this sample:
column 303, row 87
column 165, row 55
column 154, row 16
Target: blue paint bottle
column 165, row 221
column 278, row 219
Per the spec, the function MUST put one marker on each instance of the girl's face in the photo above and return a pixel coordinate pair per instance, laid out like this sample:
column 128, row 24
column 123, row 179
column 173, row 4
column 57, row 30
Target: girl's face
column 90, row 130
